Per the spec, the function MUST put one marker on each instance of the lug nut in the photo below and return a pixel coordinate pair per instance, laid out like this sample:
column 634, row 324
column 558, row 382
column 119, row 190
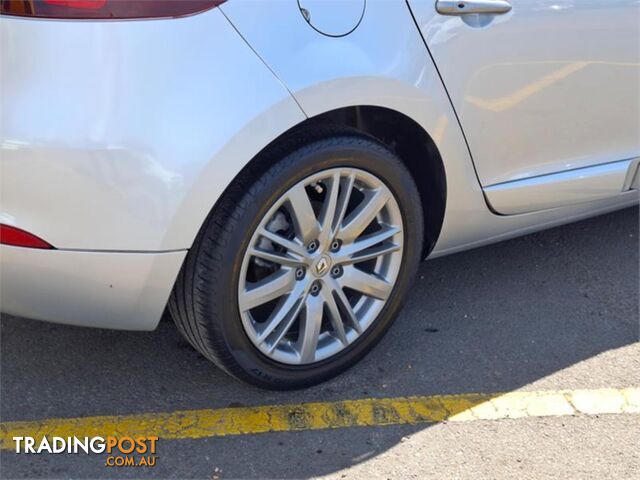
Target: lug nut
column 300, row 273
column 312, row 247
column 315, row 288
column 336, row 271
column 335, row 246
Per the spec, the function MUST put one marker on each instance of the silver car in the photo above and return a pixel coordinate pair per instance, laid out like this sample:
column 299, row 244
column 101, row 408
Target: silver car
column 272, row 172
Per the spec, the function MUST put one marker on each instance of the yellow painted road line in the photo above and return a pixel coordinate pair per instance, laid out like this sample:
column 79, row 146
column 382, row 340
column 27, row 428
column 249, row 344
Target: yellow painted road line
column 324, row 415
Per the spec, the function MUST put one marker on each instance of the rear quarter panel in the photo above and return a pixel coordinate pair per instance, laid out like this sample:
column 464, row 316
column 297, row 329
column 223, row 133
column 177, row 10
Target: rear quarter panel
column 384, row 62
column 122, row 135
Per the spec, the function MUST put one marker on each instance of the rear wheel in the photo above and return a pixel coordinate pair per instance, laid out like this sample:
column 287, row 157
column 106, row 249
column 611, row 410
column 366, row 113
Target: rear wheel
column 300, row 270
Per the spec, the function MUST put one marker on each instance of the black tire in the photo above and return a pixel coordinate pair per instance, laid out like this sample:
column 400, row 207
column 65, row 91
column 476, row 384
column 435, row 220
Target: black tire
column 204, row 303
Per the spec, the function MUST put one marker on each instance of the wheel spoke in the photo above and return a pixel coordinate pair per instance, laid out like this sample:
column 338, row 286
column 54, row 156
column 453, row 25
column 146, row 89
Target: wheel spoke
column 276, row 336
column 303, row 216
column 334, row 315
column 329, row 210
column 361, row 250
column 276, row 257
column 343, row 302
column 310, row 325
column 267, row 289
column 363, row 214
column 282, row 317
column 373, row 252
column 367, row 283
column 343, row 202
column 290, row 245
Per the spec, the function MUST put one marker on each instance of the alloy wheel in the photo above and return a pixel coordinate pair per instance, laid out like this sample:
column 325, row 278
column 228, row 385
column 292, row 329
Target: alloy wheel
column 320, row 266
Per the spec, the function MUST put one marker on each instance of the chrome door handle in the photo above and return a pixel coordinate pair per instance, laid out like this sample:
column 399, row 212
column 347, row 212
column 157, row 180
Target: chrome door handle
column 467, row 7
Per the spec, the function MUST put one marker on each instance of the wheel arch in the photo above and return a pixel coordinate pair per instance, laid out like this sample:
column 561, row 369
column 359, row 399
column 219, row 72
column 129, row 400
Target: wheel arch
column 403, row 135
column 413, row 145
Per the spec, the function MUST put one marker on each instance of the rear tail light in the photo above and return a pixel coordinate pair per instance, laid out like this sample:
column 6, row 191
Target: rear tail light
column 19, row 238
column 105, row 9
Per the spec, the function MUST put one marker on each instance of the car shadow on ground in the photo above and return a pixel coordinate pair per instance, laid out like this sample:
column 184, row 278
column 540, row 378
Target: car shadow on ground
column 488, row 320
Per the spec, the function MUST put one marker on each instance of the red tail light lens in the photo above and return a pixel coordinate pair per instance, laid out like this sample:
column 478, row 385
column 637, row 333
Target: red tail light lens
column 19, row 238
column 86, row 4
column 105, row 9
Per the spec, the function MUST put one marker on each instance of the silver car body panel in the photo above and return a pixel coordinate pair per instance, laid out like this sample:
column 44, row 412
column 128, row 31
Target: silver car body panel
column 126, row 133
column 118, row 137
column 551, row 85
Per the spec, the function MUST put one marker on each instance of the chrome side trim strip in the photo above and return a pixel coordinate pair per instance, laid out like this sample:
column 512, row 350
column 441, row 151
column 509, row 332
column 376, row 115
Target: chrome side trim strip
column 561, row 189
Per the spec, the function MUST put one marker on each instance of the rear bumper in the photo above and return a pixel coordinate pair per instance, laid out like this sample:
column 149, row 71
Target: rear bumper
column 125, row 291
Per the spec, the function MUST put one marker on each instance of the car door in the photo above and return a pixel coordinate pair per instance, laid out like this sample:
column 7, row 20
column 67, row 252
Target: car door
column 547, row 94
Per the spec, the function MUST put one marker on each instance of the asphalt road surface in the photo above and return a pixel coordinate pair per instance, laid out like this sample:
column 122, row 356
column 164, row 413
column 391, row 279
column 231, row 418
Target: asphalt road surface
column 553, row 311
